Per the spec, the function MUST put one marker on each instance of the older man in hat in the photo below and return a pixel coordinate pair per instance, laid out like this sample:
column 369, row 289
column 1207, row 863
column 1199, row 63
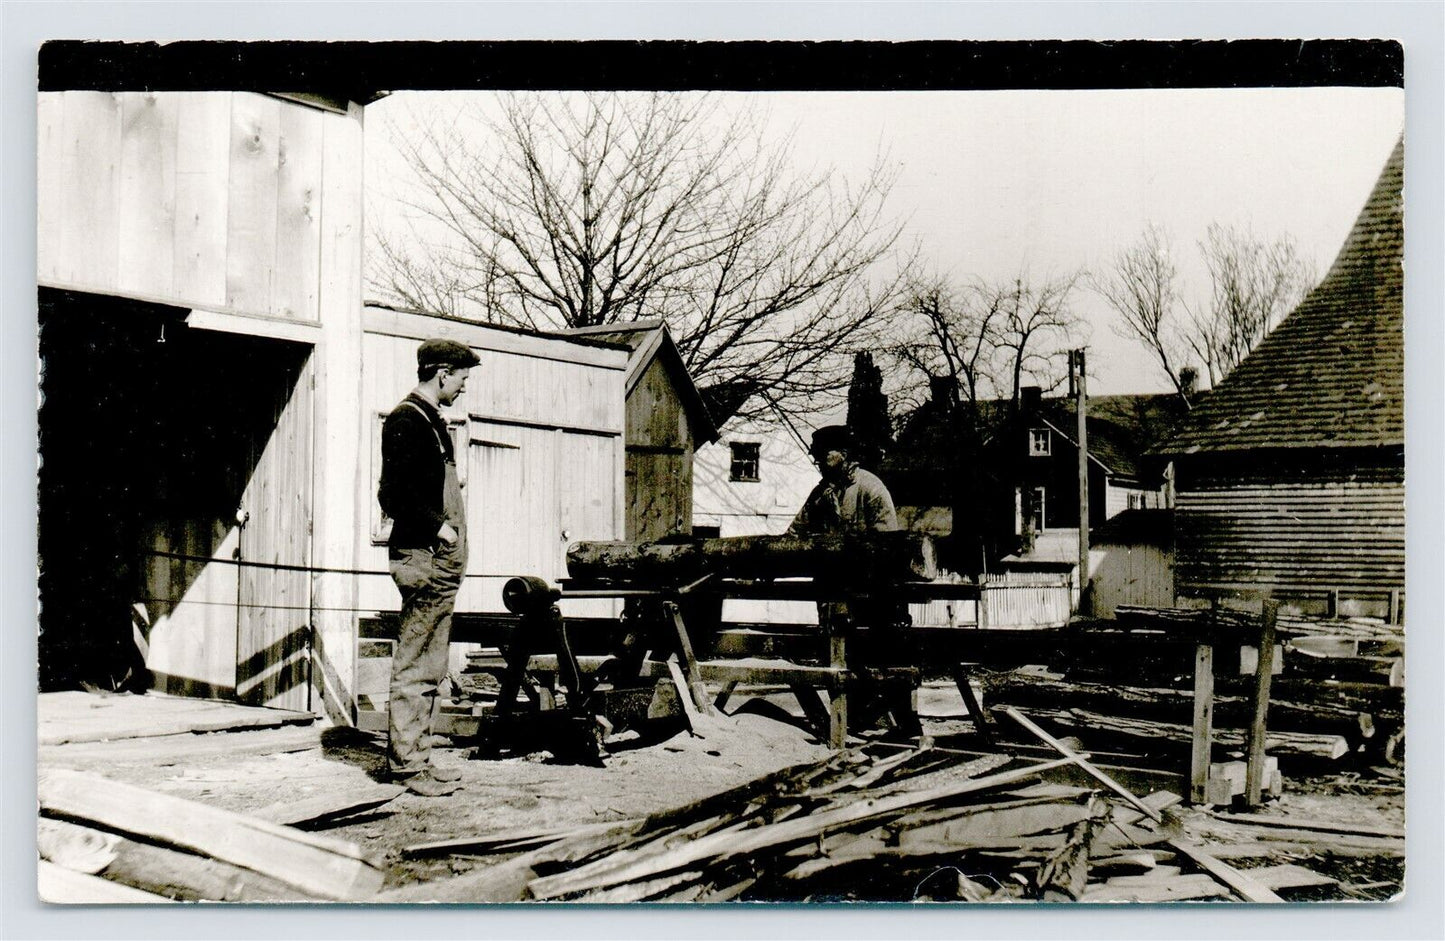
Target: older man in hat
column 427, row 550
column 851, row 499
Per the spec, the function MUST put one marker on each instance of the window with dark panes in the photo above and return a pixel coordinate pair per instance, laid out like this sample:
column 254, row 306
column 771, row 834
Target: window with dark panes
column 1038, row 442
column 745, row 460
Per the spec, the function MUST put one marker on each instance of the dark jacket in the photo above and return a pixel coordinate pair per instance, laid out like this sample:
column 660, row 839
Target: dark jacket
column 415, row 447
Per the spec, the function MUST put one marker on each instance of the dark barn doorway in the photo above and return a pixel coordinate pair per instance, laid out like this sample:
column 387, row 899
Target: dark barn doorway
column 156, row 439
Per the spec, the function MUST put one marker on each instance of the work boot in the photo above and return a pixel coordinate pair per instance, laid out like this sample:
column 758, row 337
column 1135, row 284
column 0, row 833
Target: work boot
column 425, row 784
column 445, row 775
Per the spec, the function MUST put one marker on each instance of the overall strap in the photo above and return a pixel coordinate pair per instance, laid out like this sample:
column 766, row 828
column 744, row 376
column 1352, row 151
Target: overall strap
column 441, row 447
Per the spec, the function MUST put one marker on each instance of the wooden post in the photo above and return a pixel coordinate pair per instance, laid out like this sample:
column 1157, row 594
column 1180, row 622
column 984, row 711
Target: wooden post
column 688, row 662
column 1254, row 772
column 1332, row 603
column 1076, row 359
column 838, row 699
column 1394, row 606
column 1203, row 723
column 963, row 677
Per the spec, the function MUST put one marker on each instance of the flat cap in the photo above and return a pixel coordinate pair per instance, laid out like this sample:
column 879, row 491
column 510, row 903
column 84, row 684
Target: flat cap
column 440, row 352
column 832, row 438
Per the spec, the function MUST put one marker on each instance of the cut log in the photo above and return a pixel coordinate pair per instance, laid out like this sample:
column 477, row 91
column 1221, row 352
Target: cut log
column 872, row 557
column 1148, row 734
column 172, row 874
column 318, row 865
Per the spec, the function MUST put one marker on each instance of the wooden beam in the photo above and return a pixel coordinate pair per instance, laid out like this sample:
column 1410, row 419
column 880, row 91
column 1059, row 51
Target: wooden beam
column 1203, row 738
column 1082, row 762
column 686, row 699
column 963, row 680
column 1254, row 774
column 688, row 661
column 838, row 703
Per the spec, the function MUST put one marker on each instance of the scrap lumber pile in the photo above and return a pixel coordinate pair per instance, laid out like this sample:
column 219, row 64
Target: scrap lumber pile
column 102, row 840
column 922, row 824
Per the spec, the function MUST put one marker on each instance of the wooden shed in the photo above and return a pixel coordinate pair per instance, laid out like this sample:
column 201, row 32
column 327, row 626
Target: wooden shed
column 666, row 423
column 1290, row 477
column 541, row 428
column 199, row 272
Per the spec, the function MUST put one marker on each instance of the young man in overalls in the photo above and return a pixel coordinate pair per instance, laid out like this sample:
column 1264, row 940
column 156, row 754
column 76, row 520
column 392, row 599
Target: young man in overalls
column 421, row 494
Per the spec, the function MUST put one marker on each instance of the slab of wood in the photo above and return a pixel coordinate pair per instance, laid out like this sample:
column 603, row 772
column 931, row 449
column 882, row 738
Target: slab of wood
column 315, row 864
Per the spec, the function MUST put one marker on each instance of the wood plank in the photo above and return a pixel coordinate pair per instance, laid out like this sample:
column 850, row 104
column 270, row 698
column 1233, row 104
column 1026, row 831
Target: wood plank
column 1175, row 890
column 838, row 704
column 50, row 183
column 173, row 874
column 251, row 202
column 1251, row 889
column 168, row 750
column 506, row 841
column 203, row 160
column 1155, row 875
column 89, row 231
column 1323, row 826
column 1203, row 729
column 754, row 671
column 626, row 867
column 61, row 886
column 1082, row 762
column 298, row 214
column 1289, row 876
column 319, row 865
column 1254, row 772
column 147, row 224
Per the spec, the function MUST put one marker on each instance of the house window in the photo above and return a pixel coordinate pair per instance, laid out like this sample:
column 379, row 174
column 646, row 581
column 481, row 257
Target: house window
column 745, row 461
column 1136, row 501
column 1038, row 442
column 1038, row 509
column 1022, row 513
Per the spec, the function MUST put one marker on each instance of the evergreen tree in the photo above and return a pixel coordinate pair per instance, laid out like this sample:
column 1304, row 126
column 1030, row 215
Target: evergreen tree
column 868, row 412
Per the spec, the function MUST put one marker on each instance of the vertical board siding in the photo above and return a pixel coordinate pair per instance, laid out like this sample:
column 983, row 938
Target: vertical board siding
column 275, row 604
column 51, row 181
column 298, row 214
column 198, row 199
column 341, row 518
column 1132, row 574
column 544, row 391
column 147, row 216
column 91, row 155
column 203, row 165
column 254, row 185
column 1311, row 535
column 659, row 458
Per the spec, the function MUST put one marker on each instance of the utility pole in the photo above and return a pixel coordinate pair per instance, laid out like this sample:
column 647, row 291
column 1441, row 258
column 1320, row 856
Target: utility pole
column 1077, row 381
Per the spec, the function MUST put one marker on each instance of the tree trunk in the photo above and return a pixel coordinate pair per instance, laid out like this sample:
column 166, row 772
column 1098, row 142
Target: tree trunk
column 868, row 557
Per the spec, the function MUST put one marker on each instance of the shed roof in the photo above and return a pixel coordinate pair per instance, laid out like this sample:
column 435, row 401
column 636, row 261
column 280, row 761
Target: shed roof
column 1331, row 375
column 649, row 340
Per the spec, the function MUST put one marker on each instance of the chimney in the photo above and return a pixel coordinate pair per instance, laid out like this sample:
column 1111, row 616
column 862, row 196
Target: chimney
column 1030, row 400
column 1188, row 381
column 943, row 390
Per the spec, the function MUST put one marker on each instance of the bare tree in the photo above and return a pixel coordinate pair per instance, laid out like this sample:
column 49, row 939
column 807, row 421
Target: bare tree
column 1253, row 284
column 952, row 333
column 1036, row 328
column 1142, row 287
column 571, row 210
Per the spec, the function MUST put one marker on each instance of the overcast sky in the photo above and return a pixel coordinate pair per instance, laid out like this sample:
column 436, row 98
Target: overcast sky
column 996, row 182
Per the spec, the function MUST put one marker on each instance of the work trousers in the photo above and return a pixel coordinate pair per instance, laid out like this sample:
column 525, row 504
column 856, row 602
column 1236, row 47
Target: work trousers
column 428, row 581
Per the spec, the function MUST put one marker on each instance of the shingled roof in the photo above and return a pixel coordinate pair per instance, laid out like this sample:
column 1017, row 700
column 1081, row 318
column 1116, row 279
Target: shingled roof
column 1331, row 375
